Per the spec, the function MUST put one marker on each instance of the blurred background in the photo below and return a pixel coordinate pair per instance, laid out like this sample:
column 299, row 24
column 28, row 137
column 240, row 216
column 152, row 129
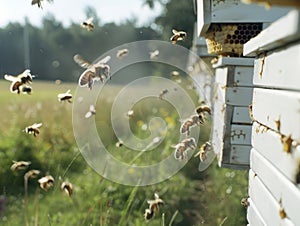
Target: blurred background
column 45, row 41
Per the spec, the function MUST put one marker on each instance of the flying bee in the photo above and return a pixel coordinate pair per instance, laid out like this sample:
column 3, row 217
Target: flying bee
column 154, row 54
column 162, row 93
column 67, row 188
column 33, row 129
column 180, row 151
column 31, row 174
column 178, row 36
column 67, row 96
column 19, row 165
column 119, row 144
column 175, row 75
column 122, row 52
column 130, row 114
column 186, row 125
column 189, row 143
column 39, row 3
column 88, row 24
column 46, row 182
column 18, row 81
column 202, row 109
column 153, row 206
column 98, row 71
column 203, row 150
column 244, row 202
column 91, row 112
column 197, row 119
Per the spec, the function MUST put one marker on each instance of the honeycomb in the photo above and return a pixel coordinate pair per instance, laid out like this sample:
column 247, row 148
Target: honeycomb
column 229, row 39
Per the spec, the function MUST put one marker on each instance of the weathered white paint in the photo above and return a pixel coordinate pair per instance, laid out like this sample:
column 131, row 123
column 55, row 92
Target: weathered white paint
column 265, row 203
column 269, row 144
column 235, row 76
column 277, row 69
column 281, row 32
column 272, row 105
column 278, row 185
column 253, row 215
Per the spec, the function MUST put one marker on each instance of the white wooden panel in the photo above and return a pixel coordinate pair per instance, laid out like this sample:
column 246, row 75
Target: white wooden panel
column 279, row 69
column 235, row 76
column 271, row 38
column 269, row 144
column 253, row 215
column 279, row 186
column 240, row 134
column 233, row 61
column 241, row 115
column 266, row 204
column 271, row 105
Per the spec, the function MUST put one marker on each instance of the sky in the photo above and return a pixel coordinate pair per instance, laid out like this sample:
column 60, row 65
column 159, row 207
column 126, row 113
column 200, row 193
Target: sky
column 66, row 11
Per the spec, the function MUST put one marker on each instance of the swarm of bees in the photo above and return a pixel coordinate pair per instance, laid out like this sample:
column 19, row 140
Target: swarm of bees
column 33, row 129
column 20, row 83
column 178, row 36
column 98, row 71
column 20, row 165
column 88, row 24
column 91, row 112
column 122, row 53
column 46, row 182
column 153, row 207
column 67, row 96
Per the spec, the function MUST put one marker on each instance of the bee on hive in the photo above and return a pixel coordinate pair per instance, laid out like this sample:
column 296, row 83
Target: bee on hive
column 98, row 71
column 88, row 24
column 67, row 96
column 178, row 36
column 33, row 129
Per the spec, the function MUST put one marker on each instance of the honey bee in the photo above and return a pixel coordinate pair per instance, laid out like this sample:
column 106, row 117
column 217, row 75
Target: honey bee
column 203, row 150
column 67, row 188
column 98, row 71
column 19, row 165
column 154, row 54
column 244, row 202
column 197, row 119
column 46, row 182
column 39, row 2
column 175, row 75
column 91, row 112
column 153, row 206
column 33, row 129
column 202, row 109
column 88, row 24
column 130, row 114
column 189, row 143
column 18, row 81
column 119, row 144
column 178, row 36
column 186, row 125
column 122, row 52
column 180, row 152
column 67, row 96
column 162, row 93
column 31, row 174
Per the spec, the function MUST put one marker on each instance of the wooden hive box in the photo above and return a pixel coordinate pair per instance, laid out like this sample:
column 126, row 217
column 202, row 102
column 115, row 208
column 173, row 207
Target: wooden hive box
column 275, row 157
column 231, row 135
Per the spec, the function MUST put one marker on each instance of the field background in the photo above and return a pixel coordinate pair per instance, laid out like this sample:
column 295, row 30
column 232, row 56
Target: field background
column 211, row 197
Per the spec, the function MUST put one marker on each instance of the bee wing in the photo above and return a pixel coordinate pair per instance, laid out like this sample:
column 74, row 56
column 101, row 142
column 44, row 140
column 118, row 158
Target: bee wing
column 174, row 31
column 11, row 78
column 81, row 61
column 156, row 196
column 25, row 73
column 92, row 108
column 37, row 125
column 210, row 156
column 89, row 20
column 103, row 61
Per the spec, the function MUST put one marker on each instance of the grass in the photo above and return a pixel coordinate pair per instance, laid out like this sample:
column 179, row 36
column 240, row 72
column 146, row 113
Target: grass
column 192, row 198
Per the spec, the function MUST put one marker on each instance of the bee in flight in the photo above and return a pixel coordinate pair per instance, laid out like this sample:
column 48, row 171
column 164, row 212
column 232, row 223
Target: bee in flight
column 206, row 155
column 162, row 93
column 31, row 174
column 119, row 144
column 178, row 36
column 154, row 54
column 130, row 114
column 39, row 2
column 91, row 112
column 88, row 24
column 19, row 165
column 182, row 147
column 33, row 129
column 203, row 108
column 98, row 71
column 153, row 207
column 17, row 82
column 46, row 182
column 203, row 150
column 67, row 96
column 175, row 75
column 66, row 187
column 122, row 52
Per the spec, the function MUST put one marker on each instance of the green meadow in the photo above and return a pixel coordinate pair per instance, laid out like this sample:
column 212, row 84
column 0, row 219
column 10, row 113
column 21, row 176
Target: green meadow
column 191, row 197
